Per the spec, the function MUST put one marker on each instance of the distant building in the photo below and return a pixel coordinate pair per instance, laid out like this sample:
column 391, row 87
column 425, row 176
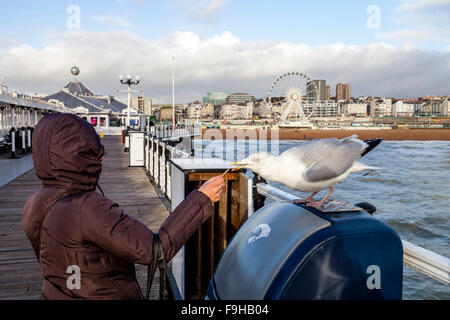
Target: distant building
column 401, row 109
column 3, row 88
column 215, row 98
column 240, row 98
column 230, row 112
column 440, row 108
column 385, row 108
column 321, row 90
column 324, row 109
column 354, row 109
column 197, row 111
column 380, row 107
column 248, row 111
column 166, row 114
column 234, row 111
column 142, row 104
column 327, row 95
column 194, row 111
column 99, row 110
column 343, row 92
column 265, row 110
column 207, row 111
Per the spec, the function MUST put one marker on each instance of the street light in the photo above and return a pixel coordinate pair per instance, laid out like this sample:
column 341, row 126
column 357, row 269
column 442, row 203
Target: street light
column 129, row 81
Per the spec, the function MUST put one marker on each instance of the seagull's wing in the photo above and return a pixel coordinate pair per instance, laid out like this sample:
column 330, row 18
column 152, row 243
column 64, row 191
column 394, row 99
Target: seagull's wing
column 326, row 158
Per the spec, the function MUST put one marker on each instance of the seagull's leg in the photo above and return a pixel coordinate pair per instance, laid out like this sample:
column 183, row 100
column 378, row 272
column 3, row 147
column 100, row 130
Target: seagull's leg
column 322, row 202
column 306, row 200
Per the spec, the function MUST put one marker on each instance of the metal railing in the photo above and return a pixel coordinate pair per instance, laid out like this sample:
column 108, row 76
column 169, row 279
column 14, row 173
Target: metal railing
column 418, row 258
column 157, row 164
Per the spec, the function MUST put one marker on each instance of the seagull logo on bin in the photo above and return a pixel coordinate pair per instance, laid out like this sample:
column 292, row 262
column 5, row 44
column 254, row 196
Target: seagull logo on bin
column 261, row 231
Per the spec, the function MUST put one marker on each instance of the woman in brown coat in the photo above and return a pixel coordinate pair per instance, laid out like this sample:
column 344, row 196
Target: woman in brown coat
column 70, row 225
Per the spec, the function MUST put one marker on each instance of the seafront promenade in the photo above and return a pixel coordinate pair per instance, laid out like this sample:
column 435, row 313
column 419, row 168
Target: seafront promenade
column 20, row 276
column 364, row 134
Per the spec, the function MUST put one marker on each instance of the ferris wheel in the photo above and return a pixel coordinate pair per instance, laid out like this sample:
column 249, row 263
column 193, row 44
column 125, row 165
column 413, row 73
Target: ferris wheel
column 295, row 96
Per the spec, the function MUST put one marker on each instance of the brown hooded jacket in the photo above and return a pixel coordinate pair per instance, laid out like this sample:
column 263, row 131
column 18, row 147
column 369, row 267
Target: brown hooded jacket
column 85, row 230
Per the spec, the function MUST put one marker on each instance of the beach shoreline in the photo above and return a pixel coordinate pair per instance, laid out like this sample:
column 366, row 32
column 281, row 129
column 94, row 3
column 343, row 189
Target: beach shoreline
column 297, row 134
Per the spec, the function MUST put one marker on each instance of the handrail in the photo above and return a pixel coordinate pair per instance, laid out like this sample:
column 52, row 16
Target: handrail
column 178, row 152
column 425, row 261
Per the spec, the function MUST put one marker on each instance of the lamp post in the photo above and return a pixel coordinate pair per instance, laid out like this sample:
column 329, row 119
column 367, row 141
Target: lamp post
column 129, row 81
column 173, row 94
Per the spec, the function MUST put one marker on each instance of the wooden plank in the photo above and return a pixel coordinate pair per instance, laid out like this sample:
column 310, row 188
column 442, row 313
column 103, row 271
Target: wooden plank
column 235, row 220
column 221, row 221
column 203, row 176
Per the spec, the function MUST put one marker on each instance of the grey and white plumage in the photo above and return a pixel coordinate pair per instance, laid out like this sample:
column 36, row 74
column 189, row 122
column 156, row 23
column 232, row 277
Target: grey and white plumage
column 313, row 165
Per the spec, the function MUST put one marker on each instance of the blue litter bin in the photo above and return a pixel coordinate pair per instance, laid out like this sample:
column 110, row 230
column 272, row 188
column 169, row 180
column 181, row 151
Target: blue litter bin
column 287, row 251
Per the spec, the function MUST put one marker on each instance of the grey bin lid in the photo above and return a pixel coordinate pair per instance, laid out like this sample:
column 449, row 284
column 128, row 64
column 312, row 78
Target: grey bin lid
column 261, row 247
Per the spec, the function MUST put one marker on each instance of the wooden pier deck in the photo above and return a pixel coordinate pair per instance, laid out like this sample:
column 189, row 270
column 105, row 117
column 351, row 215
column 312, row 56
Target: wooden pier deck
column 20, row 276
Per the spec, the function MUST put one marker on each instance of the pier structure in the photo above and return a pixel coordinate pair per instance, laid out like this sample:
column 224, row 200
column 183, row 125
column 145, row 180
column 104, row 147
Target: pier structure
column 18, row 117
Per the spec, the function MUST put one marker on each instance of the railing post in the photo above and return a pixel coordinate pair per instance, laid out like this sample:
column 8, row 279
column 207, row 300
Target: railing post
column 147, row 150
column 157, row 162
column 13, row 134
column 168, row 178
column 162, row 167
column 152, row 156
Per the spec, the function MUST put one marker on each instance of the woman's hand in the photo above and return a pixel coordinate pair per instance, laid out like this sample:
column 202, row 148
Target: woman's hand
column 213, row 188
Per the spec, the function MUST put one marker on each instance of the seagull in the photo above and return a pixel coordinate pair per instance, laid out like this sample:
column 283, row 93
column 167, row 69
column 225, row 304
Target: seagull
column 314, row 165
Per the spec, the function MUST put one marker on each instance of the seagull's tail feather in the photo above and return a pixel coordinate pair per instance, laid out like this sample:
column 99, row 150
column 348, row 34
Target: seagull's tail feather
column 358, row 166
column 372, row 143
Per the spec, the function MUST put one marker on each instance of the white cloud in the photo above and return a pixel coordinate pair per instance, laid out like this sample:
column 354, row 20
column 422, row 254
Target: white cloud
column 8, row 41
column 113, row 21
column 421, row 22
column 221, row 63
column 136, row 2
column 414, row 5
column 204, row 9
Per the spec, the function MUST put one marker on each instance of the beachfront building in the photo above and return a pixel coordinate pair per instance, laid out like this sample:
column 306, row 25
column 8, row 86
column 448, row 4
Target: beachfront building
column 424, row 109
column 354, row 109
column 322, row 109
column 247, row 112
column 434, row 107
column 207, row 111
column 193, row 111
column 234, row 111
column 401, row 109
column 264, row 110
column 380, row 107
column 215, row 98
column 197, row 111
column 240, row 98
column 440, row 107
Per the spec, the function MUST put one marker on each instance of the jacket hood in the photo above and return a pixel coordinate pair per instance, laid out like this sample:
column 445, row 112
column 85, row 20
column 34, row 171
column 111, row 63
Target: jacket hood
column 67, row 152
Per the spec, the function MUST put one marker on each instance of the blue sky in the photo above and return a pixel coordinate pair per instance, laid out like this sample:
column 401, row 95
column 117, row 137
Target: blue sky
column 281, row 35
column 311, row 22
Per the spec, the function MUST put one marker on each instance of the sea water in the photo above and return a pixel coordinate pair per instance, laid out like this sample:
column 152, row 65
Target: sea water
column 411, row 194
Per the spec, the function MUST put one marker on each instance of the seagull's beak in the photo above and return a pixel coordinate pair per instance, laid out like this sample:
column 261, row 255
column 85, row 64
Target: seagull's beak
column 239, row 166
